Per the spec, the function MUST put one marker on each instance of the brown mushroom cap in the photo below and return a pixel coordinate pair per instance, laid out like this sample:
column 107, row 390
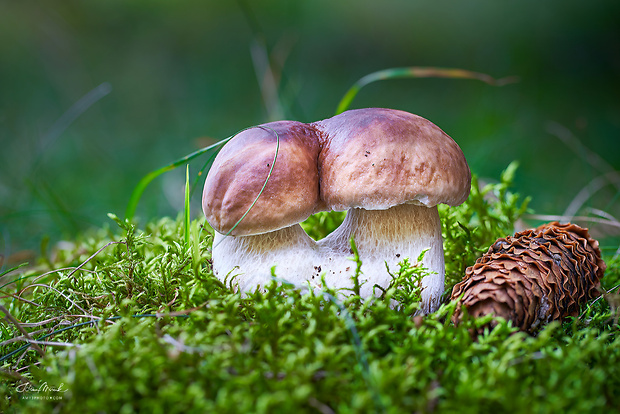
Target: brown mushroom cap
column 377, row 158
column 241, row 168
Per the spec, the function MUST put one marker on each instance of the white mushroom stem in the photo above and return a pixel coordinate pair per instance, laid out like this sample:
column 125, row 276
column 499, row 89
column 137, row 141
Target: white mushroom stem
column 249, row 259
column 386, row 236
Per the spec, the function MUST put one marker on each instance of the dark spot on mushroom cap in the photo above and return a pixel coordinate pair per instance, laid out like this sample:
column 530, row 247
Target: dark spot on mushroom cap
column 396, row 135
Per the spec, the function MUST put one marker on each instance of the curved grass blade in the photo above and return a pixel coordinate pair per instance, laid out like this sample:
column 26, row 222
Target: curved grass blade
column 360, row 354
column 10, row 270
column 16, row 280
column 21, row 329
column 275, row 156
column 146, row 180
column 77, row 325
column 186, row 210
column 206, row 167
column 66, row 119
column 417, row 72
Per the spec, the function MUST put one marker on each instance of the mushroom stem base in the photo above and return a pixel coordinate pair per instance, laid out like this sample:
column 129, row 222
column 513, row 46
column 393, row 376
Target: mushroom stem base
column 385, row 238
column 246, row 261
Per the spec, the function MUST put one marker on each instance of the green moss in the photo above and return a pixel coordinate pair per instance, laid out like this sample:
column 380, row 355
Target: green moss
column 169, row 337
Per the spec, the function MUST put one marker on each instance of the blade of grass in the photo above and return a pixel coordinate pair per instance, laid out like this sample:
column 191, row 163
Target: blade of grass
column 597, row 162
column 417, row 72
column 267, row 79
column 267, row 68
column 186, row 210
column 275, row 156
column 47, row 343
column 66, row 119
column 360, row 354
column 33, row 285
column 204, row 168
column 598, row 183
column 22, row 330
column 55, row 203
column 179, row 314
column 6, row 272
column 35, row 275
column 146, row 180
column 566, row 219
column 18, row 350
column 14, row 374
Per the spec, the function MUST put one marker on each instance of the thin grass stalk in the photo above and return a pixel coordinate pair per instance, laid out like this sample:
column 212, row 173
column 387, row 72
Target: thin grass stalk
column 14, row 374
column 571, row 141
column 177, row 314
column 204, row 168
column 611, row 177
column 20, row 328
column 275, row 157
column 67, row 118
column 60, row 293
column 186, row 210
column 146, row 180
column 416, row 72
column 6, row 272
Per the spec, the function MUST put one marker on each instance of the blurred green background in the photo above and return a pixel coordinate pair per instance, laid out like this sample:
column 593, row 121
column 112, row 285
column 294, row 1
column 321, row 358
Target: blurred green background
column 95, row 94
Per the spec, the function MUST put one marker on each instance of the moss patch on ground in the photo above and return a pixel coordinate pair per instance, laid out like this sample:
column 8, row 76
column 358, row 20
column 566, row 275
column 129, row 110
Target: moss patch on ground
column 133, row 320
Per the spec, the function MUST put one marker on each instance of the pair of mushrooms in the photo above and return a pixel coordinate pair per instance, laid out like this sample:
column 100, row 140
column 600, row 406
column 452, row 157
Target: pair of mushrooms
column 387, row 168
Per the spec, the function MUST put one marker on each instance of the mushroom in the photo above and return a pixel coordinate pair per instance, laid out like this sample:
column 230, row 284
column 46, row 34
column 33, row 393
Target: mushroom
column 389, row 169
column 256, row 232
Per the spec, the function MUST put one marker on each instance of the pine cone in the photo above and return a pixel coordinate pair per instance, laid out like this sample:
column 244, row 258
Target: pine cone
column 534, row 277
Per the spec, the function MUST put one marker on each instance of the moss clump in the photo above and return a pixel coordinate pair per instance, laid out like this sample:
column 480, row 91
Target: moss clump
column 134, row 321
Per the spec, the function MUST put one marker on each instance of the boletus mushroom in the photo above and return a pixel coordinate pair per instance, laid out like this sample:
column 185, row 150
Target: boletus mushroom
column 388, row 169
column 255, row 233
